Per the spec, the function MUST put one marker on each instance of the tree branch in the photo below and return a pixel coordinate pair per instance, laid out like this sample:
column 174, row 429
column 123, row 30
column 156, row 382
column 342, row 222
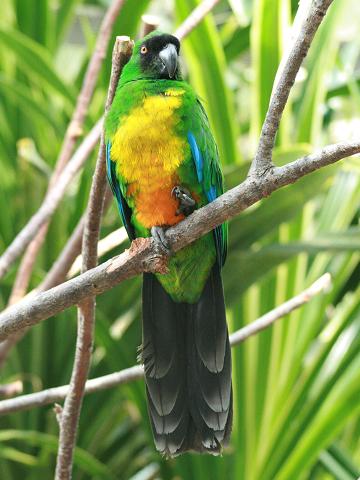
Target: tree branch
column 51, row 201
column 51, row 395
column 105, row 245
column 70, row 254
column 8, row 390
column 143, row 254
column 322, row 284
column 196, row 16
column 284, row 83
column 149, row 23
column 86, row 312
column 73, row 131
column 58, row 272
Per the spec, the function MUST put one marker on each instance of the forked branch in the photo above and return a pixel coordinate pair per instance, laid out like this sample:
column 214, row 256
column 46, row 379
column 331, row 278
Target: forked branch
column 143, row 254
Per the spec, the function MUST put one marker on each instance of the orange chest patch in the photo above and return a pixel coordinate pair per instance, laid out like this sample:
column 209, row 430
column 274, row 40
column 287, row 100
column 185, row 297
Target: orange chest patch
column 148, row 152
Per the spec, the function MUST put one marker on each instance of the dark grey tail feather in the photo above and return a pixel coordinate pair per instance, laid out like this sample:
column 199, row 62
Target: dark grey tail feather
column 187, row 361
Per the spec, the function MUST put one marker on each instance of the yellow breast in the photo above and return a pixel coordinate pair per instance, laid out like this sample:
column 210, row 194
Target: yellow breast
column 147, row 153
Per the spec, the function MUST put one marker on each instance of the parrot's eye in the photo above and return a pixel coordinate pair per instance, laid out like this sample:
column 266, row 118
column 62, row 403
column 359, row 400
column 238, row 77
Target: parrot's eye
column 143, row 50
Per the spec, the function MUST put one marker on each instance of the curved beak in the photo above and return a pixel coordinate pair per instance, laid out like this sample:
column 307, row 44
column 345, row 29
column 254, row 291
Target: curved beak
column 169, row 58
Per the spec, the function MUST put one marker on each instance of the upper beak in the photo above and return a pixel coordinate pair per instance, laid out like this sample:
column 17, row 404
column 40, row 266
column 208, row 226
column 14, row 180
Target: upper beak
column 169, row 57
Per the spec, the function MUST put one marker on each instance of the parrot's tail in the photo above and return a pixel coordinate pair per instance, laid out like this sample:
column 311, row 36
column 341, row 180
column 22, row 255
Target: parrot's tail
column 187, row 361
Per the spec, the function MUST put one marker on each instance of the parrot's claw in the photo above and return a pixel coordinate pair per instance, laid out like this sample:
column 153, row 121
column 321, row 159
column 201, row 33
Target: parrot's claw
column 186, row 203
column 158, row 234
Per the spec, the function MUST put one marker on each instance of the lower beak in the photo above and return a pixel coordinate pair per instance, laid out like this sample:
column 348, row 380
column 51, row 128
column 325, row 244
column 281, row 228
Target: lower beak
column 169, row 58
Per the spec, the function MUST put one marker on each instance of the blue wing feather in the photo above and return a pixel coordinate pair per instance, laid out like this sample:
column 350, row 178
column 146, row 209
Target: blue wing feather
column 211, row 191
column 124, row 209
column 197, row 157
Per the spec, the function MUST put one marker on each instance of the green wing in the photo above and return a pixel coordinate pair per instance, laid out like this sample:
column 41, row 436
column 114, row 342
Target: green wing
column 124, row 209
column 206, row 158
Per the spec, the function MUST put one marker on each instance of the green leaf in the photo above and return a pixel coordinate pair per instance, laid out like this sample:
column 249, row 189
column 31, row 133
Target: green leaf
column 36, row 63
column 82, row 459
column 21, row 95
column 206, row 60
column 64, row 16
column 337, row 463
column 268, row 36
column 255, row 264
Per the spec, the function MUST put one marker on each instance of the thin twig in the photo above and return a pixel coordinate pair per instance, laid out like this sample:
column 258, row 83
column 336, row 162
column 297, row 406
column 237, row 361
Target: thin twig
column 105, row 245
column 73, row 131
column 143, row 254
column 86, row 312
column 90, row 79
column 9, row 343
column 322, row 284
column 149, row 23
column 52, row 200
column 51, row 395
column 196, row 16
column 57, row 394
column 285, row 81
column 8, row 390
column 26, row 267
column 61, row 266
column 57, row 274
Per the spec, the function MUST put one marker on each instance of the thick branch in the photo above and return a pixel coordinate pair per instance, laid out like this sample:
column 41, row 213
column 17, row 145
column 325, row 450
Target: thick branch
column 51, row 395
column 280, row 95
column 86, row 311
column 143, row 254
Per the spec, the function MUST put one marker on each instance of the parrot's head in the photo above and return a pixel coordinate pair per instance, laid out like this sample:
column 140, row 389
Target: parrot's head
column 156, row 57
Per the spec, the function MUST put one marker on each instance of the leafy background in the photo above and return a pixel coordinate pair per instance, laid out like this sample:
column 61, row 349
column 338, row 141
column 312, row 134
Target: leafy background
column 297, row 385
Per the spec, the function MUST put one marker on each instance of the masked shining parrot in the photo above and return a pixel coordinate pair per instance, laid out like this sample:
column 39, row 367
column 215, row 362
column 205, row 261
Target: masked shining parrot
column 162, row 163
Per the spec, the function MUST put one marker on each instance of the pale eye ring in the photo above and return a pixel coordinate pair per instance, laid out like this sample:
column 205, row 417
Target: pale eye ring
column 143, row 50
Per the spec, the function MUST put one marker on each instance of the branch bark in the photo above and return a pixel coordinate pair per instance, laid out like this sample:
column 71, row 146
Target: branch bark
column 149, row 23
column 56, row 275
column 12, row 389
column 73, row 131
column 51, row 395
column 285, row 81
column 86, row 311
column 195, row 18
column 143, row 254
column 52, row 200
column 105, row 245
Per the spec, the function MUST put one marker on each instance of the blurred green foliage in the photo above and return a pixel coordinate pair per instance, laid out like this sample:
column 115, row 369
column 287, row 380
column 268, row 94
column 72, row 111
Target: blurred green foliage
column 297, row 385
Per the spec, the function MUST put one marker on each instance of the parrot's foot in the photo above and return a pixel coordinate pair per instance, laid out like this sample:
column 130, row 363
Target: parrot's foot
column 158, row 234
column 186, row 203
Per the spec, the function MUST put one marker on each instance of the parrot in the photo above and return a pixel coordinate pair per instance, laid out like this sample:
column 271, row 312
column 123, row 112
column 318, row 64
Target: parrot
column 162, row 163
